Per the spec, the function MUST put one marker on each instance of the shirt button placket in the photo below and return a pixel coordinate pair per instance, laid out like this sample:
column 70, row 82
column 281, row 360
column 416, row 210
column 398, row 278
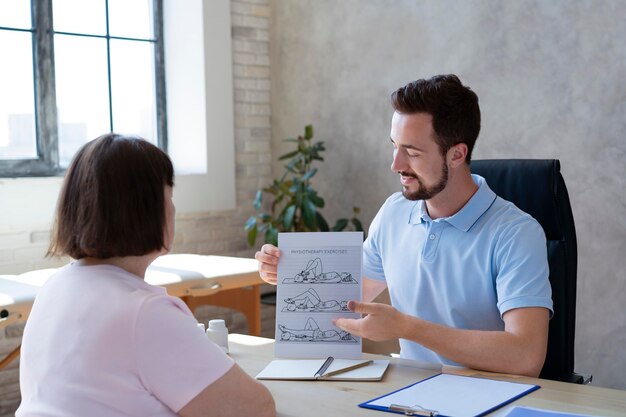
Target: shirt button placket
column 430, row 246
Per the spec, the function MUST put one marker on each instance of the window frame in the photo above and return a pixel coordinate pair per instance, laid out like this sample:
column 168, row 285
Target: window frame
column 46, row 127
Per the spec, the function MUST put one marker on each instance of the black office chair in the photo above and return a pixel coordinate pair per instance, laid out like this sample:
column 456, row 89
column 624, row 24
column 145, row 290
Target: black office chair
column 537, row 187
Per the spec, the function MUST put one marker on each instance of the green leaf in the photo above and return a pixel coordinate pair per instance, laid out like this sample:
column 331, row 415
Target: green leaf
column 288, row 217
column 298, row 194
column 357, row 224
column 276, row 202
column 308, row 214
column 250, row 223
column 271, row 190
column 308, row 132
column 309, row 174
column 252, row 237
column 318, row 201
column 257, row 200
column 292, row 166
column 271, row 236
column 321, row 222
column 340, row 225
column 288, row 155
column 285, row 187
column 265, row 217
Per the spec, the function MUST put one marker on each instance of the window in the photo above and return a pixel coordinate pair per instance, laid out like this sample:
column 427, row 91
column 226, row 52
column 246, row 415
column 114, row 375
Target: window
column 200, row 121
column 79, row 68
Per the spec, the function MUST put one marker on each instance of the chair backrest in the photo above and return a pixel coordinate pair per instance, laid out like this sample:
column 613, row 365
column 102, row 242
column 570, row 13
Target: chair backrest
column 537, row 187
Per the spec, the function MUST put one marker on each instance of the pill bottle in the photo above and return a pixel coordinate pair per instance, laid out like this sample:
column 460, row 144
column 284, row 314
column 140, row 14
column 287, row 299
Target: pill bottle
column 218, row 333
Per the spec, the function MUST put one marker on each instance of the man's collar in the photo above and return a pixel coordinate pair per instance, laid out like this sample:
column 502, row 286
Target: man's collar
column 465, row 218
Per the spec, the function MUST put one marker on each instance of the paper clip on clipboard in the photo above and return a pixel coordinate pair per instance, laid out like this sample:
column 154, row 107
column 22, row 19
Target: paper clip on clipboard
column 413, row 410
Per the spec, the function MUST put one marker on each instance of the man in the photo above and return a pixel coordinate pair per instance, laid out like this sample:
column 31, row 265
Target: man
column 467, row 272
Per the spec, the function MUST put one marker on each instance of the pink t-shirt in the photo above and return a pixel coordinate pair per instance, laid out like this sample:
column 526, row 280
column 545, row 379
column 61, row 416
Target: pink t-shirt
column 102, row 342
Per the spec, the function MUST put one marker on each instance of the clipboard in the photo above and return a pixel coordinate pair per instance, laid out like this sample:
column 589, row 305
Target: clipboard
column 446, row 395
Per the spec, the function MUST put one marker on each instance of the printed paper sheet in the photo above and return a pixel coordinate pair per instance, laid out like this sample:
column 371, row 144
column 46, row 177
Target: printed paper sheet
column 318, row 274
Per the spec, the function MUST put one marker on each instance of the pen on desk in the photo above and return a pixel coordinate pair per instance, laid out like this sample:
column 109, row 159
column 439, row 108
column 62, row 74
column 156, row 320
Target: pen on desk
column 324, row 367
column 348, row 368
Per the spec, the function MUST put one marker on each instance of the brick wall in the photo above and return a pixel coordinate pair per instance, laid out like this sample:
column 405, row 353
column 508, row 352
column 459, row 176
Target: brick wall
column 217, row 233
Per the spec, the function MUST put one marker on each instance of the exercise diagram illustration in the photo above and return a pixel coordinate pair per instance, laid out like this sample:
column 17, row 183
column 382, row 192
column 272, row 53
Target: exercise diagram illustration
column 313, row 333
column 310, row 301
column 313, row 274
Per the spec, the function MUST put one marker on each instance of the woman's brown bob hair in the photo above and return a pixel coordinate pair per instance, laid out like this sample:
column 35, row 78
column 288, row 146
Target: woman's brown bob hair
column 112, row 201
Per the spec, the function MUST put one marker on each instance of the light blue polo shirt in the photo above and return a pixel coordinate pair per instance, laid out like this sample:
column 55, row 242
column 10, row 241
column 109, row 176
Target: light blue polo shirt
column 464, row 271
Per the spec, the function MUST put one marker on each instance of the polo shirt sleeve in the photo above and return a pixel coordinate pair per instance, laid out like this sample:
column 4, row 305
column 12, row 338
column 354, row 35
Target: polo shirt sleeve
column 372, row 260
column 175, row 360
column 522, row 267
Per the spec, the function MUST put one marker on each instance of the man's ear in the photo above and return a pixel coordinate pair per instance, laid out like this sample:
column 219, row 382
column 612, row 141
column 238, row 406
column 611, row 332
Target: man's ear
column 456, row 155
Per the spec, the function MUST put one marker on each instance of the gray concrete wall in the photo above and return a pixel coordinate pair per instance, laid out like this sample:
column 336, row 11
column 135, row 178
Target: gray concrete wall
column 550, row 77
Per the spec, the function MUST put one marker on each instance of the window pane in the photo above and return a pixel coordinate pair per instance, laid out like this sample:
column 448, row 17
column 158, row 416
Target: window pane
column 15, row 14
column 17, row 97
column 131, row 18
column 80, row 16
column 132, row 85
column 81, row 92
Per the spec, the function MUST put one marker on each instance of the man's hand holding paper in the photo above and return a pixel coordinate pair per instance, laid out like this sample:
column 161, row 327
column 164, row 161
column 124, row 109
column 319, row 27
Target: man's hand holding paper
column 268, row 258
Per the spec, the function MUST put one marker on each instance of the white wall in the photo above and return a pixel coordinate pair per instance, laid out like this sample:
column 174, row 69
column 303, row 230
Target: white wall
column 199, row 90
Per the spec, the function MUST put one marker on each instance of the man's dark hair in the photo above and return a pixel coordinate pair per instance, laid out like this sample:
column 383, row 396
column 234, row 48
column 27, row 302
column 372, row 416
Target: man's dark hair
column 112, row 201
column 453, row 107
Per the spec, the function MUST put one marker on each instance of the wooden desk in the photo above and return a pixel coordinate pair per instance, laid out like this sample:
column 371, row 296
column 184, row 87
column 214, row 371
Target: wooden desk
column 337, row 398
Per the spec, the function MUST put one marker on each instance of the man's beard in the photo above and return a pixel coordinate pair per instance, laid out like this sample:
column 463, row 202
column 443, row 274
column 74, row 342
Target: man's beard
column 423, row 192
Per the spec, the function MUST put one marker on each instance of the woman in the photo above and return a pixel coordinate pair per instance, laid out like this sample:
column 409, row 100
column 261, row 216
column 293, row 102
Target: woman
column 100, row 341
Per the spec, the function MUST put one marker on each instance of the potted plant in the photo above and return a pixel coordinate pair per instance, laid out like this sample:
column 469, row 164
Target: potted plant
column 295, row 205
